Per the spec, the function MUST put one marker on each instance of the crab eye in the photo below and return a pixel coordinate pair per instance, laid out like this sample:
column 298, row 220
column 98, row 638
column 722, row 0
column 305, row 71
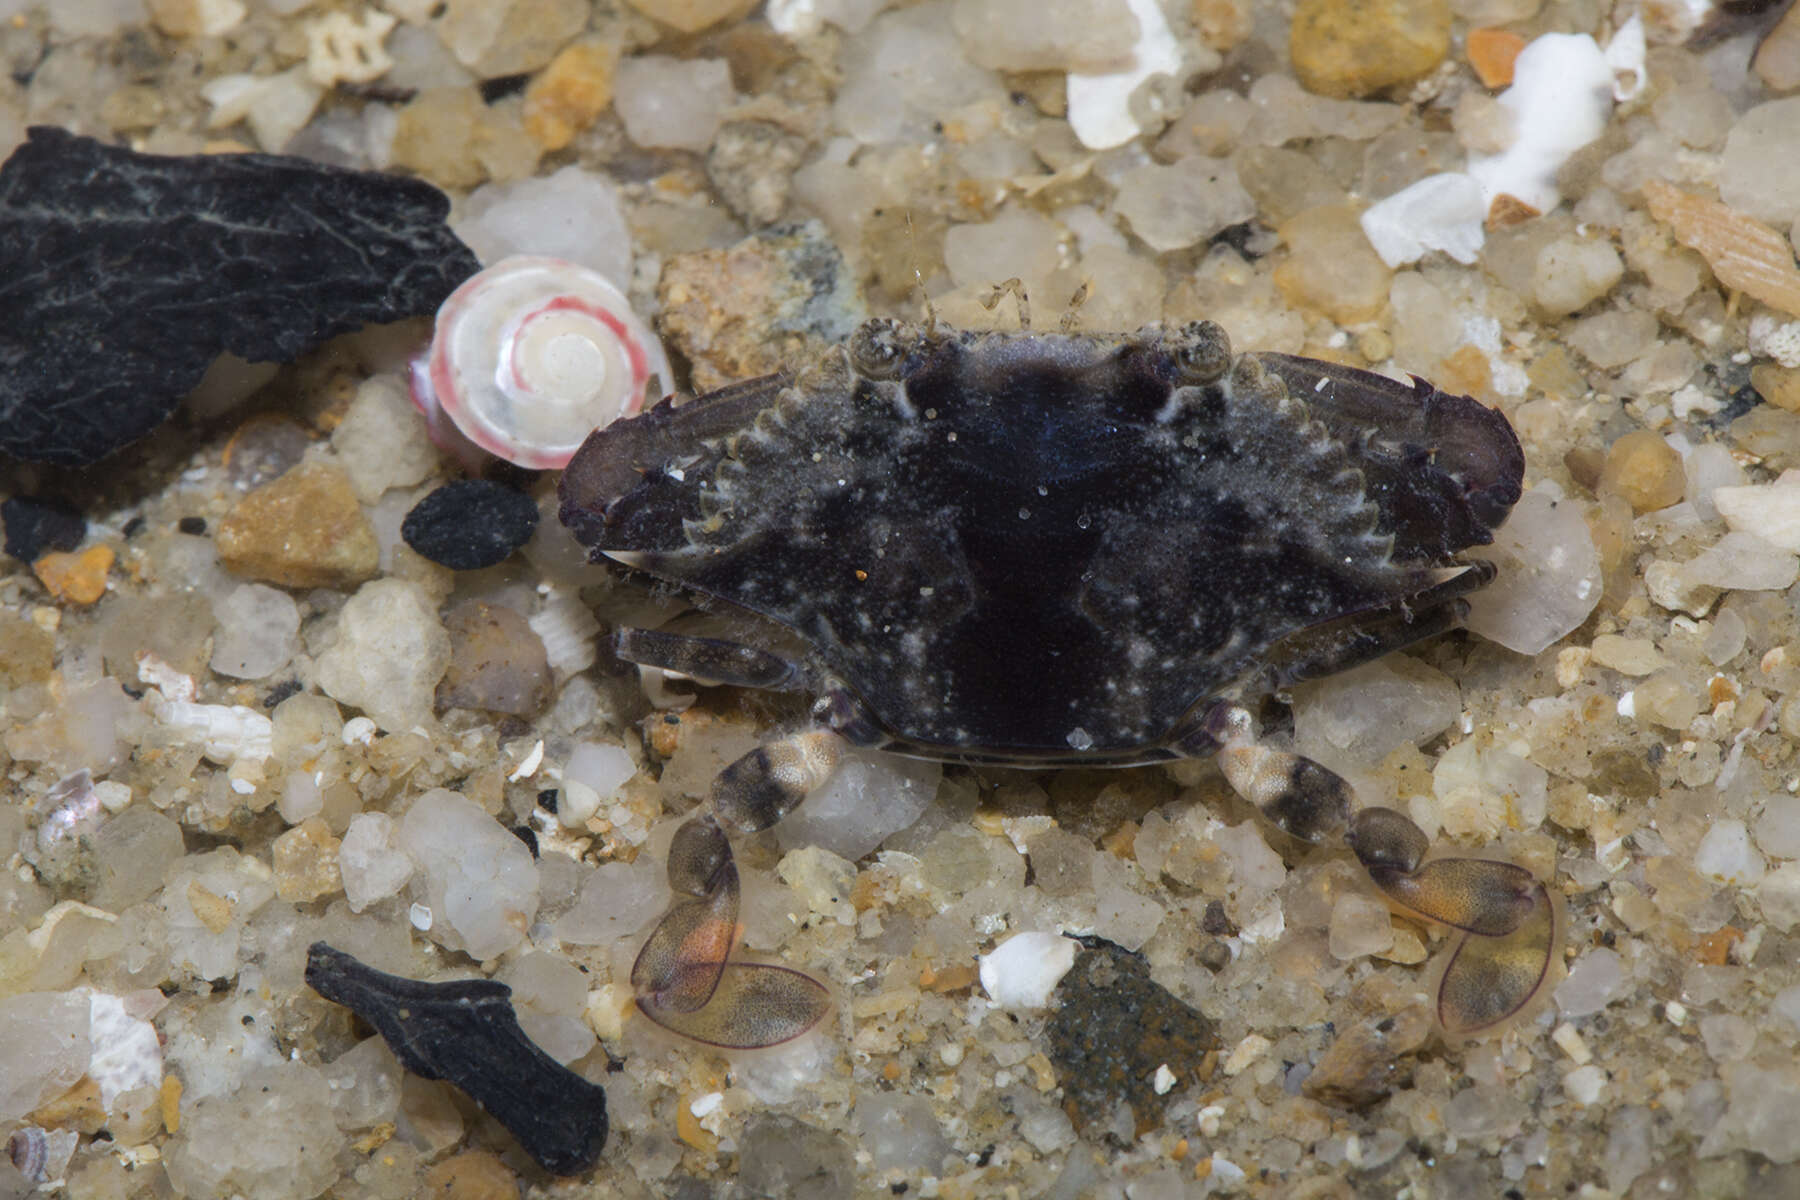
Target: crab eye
column 876, row 349
column 1202, row 352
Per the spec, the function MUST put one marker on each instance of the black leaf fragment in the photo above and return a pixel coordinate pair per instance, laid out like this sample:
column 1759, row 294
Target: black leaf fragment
column 465, row 1033
column 124, row 275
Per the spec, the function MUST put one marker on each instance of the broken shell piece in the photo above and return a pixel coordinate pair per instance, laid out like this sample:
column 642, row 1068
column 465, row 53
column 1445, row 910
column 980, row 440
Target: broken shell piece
column 530, row 356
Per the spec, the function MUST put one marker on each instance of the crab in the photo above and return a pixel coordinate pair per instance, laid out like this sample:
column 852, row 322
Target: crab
column 1053, row 549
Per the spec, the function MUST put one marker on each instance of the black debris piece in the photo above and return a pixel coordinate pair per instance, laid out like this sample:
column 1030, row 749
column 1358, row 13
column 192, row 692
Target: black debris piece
column 124, row 275
column 193, row 526
column 1112, row 1028
column 470, row 524
column 34, row 527
column 465, row 1033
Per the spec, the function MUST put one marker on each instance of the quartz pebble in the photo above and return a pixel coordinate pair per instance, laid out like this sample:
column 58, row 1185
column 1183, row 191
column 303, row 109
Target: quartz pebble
column 388, row 655
column 1345, row 48
column 1759, row 175
column 229, row 1144
column 672, row 103
column 382, row 443
column 470, row 524
column 1183, row 203
column 1573, row 272
column 510, row 37
column 867, row 799
column 305, row 529
column 1743, row 561
column 1549, row 577
column 1725, row 854
column 1771, row 511
column 1058, row 35
column 305, row 859
column 569, row 95
column 370, row 862
column 259, row 629
column 478, row 880
column 44, row 1047
column 1360, row 716
column 903, row 72
column 1597, row 979
column 497, row 662
column 1777, row 61
column 572, row 214
column 1331, row 268
column 1645, row 471
column 691, row 16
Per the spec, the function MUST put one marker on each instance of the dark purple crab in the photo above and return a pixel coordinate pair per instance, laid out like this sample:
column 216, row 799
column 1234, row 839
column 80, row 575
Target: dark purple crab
column 1054, row 549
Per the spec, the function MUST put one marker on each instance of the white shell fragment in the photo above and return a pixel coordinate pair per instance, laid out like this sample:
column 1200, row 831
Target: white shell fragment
column 1561, row 95
column 1100, row 105
column 1440, row 212
column 530, row 356
column 1022, row 971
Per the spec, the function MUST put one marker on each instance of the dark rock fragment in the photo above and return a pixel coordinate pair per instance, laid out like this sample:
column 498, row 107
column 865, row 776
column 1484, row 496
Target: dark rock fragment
column 465, row 1033
column 497, row 662
column 1370, row 1058
column 34, row 527
column 470, row 524
column 1113, row 1027
column 124, row 275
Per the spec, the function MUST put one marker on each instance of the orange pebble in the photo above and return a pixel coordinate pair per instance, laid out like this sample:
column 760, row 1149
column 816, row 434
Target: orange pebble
column 1491, row 53
column 1715, row 948
column 78, row 578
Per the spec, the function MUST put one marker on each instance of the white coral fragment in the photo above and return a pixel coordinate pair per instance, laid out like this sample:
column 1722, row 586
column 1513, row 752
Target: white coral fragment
column 1022, row 971
column 340, row 48
column 224, row 732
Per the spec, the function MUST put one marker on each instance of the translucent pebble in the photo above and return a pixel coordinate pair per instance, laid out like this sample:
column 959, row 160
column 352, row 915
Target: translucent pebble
column 1573, row 272
column 207, row 902
column 1629, row 1149
column 44, row 1048
column 1725, row 853
column 1759, row 174
column 900, row 1131
column 372, row 866
column 615, row 902
column 905, row 71
column 1549, row 578
column 130, row 853
column 571, row 214
column 1779, row 896
column 672, row 103
column 273, row 1138
column 1018, row 244
column 1777, row 828
column 1612, row 339
column 259, row 629
column 1711, row 468
column 389, row 653
column 1359, row 926
column 1047, row 35
column 1596, row 980
column 1183, row 203
column 1727, row 1036
column 1744, row 561
column 382, row 442
column 869, row 797
column 365, row 1085
column 549, row 994
column 478, row 879
column 1363, row 715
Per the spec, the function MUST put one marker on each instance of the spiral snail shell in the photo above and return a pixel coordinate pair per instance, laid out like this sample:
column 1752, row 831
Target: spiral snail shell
column 530, row 356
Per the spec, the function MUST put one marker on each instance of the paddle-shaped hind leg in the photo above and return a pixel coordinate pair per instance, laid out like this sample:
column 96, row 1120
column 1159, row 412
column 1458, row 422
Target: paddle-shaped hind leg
column 1509, row 926
column 685, row 978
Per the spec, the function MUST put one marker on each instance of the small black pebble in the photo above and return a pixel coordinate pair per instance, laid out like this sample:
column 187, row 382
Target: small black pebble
column 132, row 526
column 34, row 527
column 527, row 835
column 193, row 525
column 502, row 86
column 280, row 692
column 546, row 800
column 470, row 524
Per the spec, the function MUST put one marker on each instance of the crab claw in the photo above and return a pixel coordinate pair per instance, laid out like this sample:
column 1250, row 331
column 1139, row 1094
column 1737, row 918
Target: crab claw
column 1489, row 980
column 755, row 1005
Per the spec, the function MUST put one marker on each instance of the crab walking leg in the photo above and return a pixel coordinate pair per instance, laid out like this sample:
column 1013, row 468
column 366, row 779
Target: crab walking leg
column 765, row 785
column 685, row 978
column 1296, row 794
column 709, row 660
